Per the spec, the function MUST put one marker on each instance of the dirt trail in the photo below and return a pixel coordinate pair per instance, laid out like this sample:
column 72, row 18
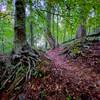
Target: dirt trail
column 78, row 78
column 61, row 63
column 79, row 73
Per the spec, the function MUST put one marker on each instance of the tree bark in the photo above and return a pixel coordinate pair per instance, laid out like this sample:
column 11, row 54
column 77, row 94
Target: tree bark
column 49, row 36
column 81, row 32
column 19, row 26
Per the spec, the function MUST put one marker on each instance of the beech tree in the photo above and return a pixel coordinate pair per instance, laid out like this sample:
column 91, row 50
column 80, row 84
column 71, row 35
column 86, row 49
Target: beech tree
column 81, row 32
column 19, row 25
column 49, row 36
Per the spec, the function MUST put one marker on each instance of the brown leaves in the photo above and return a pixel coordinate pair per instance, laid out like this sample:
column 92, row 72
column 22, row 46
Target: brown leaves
column 73, row 78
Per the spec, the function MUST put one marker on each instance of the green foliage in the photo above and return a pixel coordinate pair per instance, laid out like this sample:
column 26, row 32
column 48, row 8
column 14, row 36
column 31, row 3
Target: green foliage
column 37, row 73
column 68, row 98
column 75, row 49
column 6, row 26
column 42, row 94
column 70, row 14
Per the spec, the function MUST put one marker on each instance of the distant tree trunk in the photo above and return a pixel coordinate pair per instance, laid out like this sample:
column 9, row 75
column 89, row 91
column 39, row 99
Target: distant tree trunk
column 49, row 36
column 19, row 27
column 57, row 25
column 53, row 17
column 31, row 23
column 81, row 31
column 65, row 30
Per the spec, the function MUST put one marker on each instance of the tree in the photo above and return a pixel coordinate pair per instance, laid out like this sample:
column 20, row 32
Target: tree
column 49, row 36
column 19, row 26
column 81, row 32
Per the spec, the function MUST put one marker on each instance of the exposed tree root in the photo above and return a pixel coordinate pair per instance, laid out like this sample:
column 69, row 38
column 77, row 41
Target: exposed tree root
column 23, row 64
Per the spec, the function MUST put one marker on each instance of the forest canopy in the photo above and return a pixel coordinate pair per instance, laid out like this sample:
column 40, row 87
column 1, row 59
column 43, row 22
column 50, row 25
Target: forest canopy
column 65, row 18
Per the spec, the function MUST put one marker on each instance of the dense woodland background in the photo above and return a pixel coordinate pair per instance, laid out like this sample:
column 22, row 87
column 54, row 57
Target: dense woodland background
column 64, row 18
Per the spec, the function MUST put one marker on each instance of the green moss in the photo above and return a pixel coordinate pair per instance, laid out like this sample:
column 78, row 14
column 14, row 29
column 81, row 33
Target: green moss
column 37, row 74
column 69, row 98
column 75, row 49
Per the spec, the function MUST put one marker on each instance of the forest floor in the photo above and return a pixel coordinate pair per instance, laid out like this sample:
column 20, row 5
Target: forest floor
column 66, row 78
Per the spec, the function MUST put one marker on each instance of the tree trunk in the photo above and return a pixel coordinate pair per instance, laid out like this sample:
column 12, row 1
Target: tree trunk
column 57, row 25
column 81, row 32
column 49, row 36
column 19, row 27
